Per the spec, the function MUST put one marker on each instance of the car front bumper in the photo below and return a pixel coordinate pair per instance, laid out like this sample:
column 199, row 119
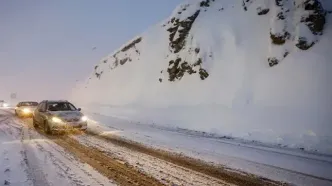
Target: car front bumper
column 25, row 114
column 69, row 126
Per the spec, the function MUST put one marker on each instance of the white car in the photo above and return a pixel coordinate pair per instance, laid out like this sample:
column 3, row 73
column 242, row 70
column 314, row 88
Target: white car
column 26, row 108
column 59, row 115
column 3, row 103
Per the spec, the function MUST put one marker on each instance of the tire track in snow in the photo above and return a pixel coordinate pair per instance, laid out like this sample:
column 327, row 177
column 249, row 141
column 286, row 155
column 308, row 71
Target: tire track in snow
column 67, row 169
column 43, row 162
column 187, row 172
column 110, row 168
column 166, row 172
column 35, row 172
column 65, row 164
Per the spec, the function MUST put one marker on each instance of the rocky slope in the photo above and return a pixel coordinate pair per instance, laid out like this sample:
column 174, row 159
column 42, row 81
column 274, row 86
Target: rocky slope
column 298, row 23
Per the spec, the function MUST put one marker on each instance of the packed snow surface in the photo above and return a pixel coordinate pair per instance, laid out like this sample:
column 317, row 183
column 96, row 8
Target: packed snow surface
column 293, row 166
column 254, row 70
column 30, row 159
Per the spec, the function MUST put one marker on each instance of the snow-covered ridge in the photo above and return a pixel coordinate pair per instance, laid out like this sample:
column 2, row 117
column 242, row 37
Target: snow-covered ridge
column 292, row 23
column 253, row 69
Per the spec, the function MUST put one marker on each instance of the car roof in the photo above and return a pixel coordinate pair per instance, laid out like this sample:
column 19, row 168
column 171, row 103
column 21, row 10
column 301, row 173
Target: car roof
column 28, row 102
column 55, row 101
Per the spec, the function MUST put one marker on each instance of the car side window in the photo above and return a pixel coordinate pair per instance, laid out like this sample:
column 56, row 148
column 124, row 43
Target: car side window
column 43, row 107
column 72, row 107
column 40, row 106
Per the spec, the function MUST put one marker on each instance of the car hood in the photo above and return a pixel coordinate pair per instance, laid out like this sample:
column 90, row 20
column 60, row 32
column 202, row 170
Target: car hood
column 29, row 107
column 67, row 115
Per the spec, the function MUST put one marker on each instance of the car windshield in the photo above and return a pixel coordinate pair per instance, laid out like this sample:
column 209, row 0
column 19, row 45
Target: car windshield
column 60, row 106
column 29, row 104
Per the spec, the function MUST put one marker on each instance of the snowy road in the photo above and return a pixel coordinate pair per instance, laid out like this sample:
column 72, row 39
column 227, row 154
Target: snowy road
column 30, row 157
column 288, row 165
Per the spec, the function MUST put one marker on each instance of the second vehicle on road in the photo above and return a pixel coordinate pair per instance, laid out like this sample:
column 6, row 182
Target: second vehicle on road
column 25, row 109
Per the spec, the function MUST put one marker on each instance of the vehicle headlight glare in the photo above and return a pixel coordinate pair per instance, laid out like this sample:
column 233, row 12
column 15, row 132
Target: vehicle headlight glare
column 56, row 120
column 5, row 105
column 84, row 118
column 26, row 110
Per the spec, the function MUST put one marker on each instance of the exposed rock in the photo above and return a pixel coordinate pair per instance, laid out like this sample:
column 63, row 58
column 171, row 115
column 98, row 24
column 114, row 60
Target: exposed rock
column 6, row 182
column 245, row 4
column 177, row 69
column 261, row 11
column 132, row 44
column 203, row 74
column 98, row 75
column 316, row 19
column 303, row 44
column 279, row 39
column 286, row 54
column 281, row 16
column 116, row 62
column 183, row 28
column 273, row 61
column 205, row 3
column 123, row 61
column 197, row 50
column 279, row 2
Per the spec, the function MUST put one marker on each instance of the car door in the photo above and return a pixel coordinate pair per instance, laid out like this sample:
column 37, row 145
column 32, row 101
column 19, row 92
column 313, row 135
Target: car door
column 43, row 113
column 39, row 112
column 17, row 109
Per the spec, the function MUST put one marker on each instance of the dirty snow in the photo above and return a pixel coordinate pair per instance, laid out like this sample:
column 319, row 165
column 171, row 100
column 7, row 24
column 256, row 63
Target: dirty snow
column 27, row 158
column 165, row 172
column 283, row 164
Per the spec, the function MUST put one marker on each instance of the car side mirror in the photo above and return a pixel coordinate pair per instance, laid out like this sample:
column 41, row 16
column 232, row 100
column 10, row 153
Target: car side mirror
column 79, row 109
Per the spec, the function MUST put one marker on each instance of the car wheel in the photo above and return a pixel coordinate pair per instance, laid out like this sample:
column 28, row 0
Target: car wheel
column 34, row 122
column 47, row 128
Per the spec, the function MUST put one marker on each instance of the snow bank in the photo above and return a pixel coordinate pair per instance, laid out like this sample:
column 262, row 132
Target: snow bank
column 256, row 70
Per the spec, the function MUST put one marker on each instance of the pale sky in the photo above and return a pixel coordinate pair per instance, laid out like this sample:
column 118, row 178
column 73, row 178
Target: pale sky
column 45, row 46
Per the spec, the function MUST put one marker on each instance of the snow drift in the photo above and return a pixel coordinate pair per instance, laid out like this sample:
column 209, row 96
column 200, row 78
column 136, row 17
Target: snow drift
column 252, row 69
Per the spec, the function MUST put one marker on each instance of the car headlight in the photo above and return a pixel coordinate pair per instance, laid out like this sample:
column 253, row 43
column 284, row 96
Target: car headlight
column 84, row 118
column 56, row 120
column 5, row 105
column 26, row 111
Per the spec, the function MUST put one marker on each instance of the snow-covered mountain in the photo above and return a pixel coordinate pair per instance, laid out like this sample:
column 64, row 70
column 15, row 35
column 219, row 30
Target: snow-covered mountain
column 253, row 69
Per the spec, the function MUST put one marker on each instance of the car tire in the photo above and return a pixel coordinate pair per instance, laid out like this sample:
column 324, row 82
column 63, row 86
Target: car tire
column 47, row 128
column 34, row 122
column 17, row 114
